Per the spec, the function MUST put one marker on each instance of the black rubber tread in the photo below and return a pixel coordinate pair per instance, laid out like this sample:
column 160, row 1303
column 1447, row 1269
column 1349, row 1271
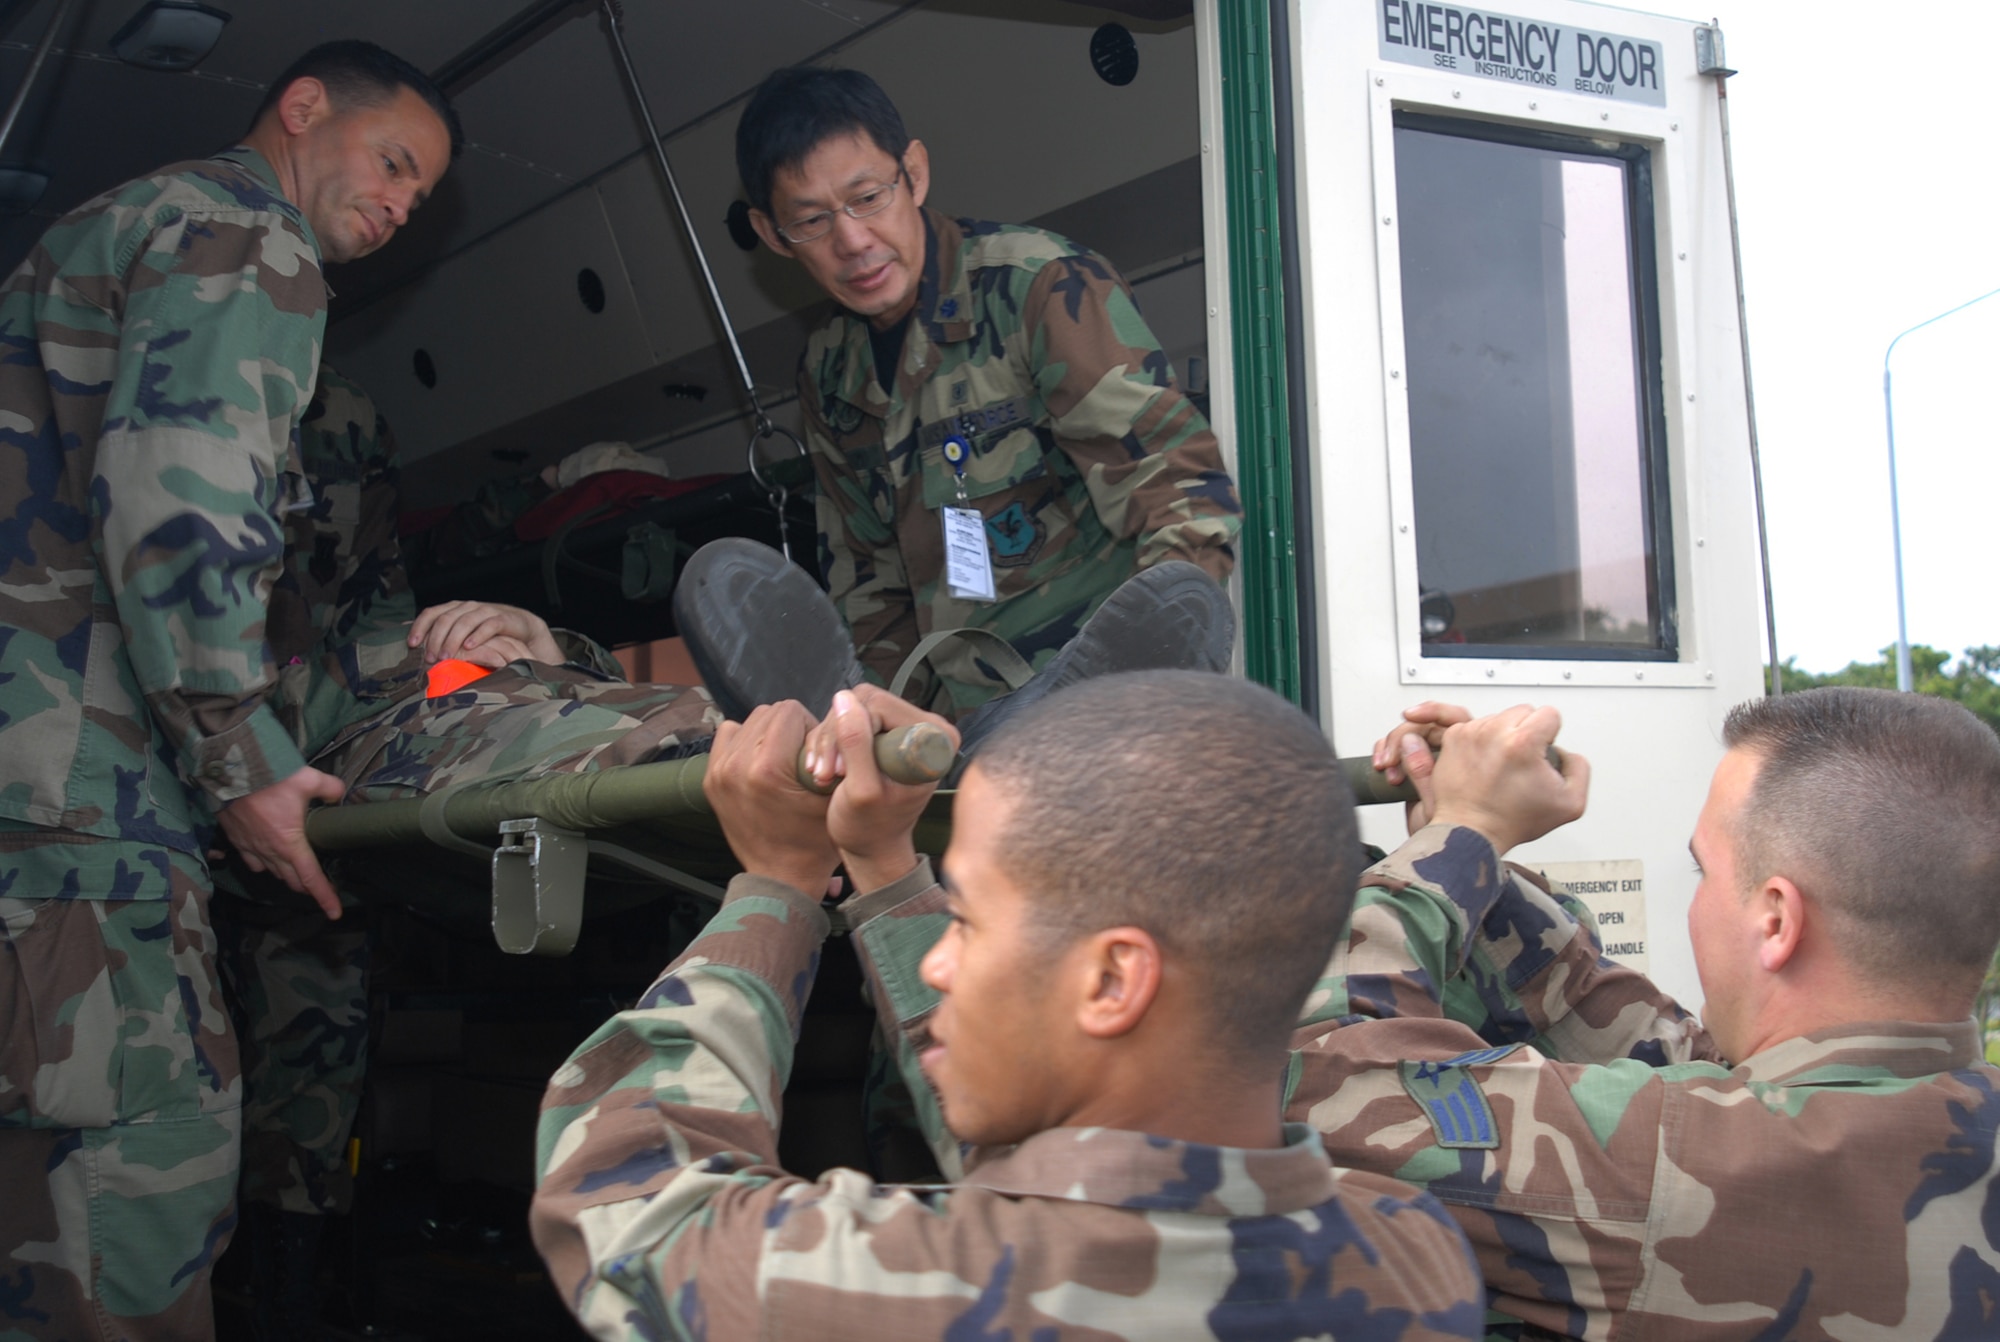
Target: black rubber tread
column 1170, row 617
column 760, row 630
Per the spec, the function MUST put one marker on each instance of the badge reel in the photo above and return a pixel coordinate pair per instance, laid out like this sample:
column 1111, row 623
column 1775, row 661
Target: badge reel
column 968, row 564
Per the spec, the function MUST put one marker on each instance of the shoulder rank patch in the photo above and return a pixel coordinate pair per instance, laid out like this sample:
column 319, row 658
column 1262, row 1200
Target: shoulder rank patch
column 1461, row 1118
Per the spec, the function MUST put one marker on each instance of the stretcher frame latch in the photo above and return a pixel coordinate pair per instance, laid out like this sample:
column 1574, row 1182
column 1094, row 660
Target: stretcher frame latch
column 538, row 877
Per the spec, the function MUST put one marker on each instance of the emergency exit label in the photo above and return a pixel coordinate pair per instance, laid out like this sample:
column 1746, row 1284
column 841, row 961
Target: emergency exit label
column 1530, row 52
column 1616, row 893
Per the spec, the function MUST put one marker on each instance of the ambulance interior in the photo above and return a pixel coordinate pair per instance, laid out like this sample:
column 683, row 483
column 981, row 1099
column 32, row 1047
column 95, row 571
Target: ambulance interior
column 546, row 299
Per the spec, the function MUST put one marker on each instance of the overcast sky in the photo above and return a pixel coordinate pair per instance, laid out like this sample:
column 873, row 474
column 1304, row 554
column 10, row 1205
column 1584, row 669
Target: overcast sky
column 1865, row 178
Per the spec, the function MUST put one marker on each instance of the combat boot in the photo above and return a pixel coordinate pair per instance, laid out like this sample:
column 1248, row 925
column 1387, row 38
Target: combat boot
column 760, row 630
column 1170, row 617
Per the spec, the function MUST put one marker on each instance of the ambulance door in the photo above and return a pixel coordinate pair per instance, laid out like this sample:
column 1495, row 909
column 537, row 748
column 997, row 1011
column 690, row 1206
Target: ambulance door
column 1530, row 454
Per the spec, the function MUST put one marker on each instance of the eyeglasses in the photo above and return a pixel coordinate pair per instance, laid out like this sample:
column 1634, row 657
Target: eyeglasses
column 859, row 206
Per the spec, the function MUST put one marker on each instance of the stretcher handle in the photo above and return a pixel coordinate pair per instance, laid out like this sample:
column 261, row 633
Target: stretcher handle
column 918, row 753
column 1370, row 787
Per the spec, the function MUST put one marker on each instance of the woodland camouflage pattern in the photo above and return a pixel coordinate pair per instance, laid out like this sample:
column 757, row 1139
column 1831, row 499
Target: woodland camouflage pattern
column 156, row 351
column 339, row 621
column 341, row 608
column 298, row 983
column 525, row 720
column 351, row 692
column 120, row 1104
column 662, row 1212
column 1837, row 1185
column 353, row 689
column 1086, row 460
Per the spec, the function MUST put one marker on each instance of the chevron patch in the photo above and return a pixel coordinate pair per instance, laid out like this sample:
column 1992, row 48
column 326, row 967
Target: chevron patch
column 1461, row 1118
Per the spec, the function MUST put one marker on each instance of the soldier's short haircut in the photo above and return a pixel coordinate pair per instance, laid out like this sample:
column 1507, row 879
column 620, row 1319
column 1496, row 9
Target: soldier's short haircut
column 1204, row 809
column 1884, row 809
column 800, row 107
column 361, row 74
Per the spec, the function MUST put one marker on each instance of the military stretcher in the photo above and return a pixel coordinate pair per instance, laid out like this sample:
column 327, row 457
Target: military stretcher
column 543, row 838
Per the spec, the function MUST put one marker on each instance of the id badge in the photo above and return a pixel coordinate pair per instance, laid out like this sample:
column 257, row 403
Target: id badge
column 968, row 566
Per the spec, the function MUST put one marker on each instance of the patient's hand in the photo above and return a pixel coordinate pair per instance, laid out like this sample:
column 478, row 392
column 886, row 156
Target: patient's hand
column 484, row 633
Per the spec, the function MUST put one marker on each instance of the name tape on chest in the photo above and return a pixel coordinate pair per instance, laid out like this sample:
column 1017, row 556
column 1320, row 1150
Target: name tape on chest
column 971, row 424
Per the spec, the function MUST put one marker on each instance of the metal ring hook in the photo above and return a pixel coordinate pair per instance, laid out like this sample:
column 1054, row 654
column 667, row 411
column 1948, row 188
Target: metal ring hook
column 775, row 491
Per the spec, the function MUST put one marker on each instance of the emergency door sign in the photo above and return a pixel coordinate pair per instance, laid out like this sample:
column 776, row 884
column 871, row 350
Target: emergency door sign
column 1530, row 52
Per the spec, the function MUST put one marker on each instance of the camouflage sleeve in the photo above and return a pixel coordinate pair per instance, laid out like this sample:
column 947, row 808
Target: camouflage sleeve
column 894, row 928
column 858, row 553
column 1538, row 974
column 1443, row 928
column 660, row 1132
column 1149, row 459
column 1548, row 1166
column 661, row 1210
column 582, row 650
column 380, row 597
column 218, row 353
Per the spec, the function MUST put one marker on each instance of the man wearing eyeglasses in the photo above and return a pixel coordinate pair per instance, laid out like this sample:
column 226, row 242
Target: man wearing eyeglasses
column 988, row 381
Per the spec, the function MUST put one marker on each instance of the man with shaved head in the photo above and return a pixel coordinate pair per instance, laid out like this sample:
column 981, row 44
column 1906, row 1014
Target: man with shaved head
column 1617, row 1175
column 161, row 345
column 1094, row 995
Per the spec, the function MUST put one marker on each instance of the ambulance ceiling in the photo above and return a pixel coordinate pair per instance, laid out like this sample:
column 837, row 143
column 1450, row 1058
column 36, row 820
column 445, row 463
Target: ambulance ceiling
column 539, row 119
column 537, row 122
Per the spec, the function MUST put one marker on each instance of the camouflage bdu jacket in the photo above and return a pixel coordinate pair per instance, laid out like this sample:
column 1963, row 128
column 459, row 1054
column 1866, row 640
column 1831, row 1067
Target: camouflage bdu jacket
column 662, row 1212
column 351, row 689
column 1086, row 461
column 1837, row 1185
column 156, row 351
column 341, row 609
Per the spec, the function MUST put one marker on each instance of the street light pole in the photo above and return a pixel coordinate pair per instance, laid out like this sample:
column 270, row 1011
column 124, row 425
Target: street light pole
column 1903, row 677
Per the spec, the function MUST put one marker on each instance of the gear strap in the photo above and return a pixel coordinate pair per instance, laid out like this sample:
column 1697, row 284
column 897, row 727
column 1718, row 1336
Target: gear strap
column 1006, row 663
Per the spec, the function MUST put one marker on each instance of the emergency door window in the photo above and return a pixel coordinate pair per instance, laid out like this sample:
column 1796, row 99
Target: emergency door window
column 1530, row 323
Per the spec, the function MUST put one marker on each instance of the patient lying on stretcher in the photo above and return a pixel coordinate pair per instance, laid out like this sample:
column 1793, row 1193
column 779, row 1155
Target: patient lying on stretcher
column 368, row 688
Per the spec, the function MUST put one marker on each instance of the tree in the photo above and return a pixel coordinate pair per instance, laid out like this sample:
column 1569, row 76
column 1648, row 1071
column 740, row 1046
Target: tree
column 1974, row 682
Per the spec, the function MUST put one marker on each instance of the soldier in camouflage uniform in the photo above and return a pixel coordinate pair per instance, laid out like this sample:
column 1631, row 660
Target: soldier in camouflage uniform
column 353, row 654
column 1618, row 1178
column 1014, row 351
column 1109, row 1048
column 161, row 344
column 356, row 653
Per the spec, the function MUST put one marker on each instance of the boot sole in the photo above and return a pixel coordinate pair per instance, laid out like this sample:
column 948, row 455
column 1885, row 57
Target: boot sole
column 760, row 631
column 1170, row 617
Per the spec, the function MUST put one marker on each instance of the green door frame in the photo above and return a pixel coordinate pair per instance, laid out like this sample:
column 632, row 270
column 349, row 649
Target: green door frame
column 1277, row 577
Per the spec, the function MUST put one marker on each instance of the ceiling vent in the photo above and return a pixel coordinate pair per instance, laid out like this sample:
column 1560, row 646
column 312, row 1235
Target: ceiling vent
column 1114, row 55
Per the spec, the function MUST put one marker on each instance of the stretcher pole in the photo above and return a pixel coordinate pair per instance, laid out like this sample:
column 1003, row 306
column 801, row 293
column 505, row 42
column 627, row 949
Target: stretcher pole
column 602, row 799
